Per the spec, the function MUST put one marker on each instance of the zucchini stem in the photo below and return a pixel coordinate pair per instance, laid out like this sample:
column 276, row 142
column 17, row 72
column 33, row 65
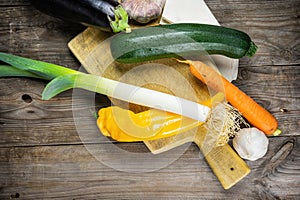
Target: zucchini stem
column 252, row 49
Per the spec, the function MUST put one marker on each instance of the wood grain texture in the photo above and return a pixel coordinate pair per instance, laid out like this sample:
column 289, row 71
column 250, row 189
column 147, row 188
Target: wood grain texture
column 273, row 25
column 65, row 171
column 41, row 153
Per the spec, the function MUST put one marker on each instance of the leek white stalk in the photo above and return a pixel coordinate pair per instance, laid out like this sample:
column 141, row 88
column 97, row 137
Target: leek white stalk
column 129, row 93
column 63, row 79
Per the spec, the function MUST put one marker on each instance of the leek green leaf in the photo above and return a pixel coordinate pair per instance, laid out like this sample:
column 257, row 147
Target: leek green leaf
column 47, row 70
column 58, row 85
column 10, row 71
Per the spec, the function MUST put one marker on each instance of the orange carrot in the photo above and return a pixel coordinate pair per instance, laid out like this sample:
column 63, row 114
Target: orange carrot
column 253, row 112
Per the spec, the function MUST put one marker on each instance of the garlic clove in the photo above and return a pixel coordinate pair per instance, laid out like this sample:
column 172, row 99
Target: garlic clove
column 251, row 143
column 143, row 11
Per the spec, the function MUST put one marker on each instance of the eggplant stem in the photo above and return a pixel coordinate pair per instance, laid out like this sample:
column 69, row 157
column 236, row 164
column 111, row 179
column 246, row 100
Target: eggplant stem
column 121, row 21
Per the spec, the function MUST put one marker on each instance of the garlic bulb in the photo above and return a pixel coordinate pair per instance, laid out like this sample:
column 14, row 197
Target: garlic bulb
column 251, row 143
column 143, row 11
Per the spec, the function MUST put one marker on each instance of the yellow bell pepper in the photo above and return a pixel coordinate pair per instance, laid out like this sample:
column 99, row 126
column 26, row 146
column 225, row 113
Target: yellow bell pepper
column 126, row 126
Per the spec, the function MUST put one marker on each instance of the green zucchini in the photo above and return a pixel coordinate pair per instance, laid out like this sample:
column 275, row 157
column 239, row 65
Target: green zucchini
column 179, row 41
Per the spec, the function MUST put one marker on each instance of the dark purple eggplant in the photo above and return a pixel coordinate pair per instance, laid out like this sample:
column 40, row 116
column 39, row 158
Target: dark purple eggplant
column 107, row 15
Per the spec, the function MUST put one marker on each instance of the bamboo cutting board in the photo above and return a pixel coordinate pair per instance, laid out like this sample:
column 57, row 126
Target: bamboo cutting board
column 224, row 162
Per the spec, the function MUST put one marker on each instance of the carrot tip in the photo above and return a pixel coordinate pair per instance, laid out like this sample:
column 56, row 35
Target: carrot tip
column 277, row 132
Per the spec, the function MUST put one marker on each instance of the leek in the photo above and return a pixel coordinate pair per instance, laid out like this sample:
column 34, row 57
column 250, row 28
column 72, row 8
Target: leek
column 62, row 79
column 9, row 71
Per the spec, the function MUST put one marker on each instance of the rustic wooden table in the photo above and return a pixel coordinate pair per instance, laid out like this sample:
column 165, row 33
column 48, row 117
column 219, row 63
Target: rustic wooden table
column 42, row 155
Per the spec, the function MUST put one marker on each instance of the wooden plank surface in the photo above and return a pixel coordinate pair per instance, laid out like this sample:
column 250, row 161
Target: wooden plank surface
column 41, row 153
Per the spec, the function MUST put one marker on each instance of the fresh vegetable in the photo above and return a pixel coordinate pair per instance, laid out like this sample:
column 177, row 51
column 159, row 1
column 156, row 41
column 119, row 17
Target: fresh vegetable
column 219, row 121
column 126, row 126
column 9, row 71
column 180, row 40
column 250, row 143
column 106, row 15
column 253, row 112
column 224, row 123
column 63, row 79
column 143, row 11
